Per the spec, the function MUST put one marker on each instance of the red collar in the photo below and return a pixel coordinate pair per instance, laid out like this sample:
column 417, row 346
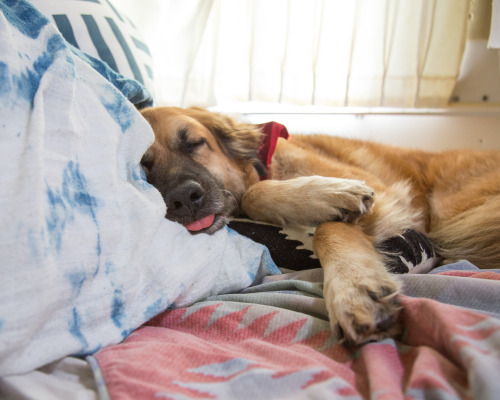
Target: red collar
column 272, row 132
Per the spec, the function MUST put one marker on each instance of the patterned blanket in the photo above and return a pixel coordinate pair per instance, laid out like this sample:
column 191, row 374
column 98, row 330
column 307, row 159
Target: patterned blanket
column 273, row 341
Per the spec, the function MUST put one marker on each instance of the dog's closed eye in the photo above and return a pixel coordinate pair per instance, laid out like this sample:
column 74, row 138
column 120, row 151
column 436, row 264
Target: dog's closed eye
column 192, row 145
column 188, row 142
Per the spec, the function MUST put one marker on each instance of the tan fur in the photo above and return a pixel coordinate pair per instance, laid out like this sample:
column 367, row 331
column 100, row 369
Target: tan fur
column 328, row 182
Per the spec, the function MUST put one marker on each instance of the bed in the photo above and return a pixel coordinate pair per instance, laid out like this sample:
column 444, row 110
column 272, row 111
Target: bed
column 101, row 297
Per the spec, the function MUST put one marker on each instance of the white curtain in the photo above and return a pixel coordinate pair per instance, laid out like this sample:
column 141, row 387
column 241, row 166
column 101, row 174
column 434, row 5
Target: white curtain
column 373, row 53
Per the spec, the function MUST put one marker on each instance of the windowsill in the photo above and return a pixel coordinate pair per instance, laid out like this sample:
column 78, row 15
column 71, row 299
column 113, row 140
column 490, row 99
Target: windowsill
column 479, row 109
column 473, row 126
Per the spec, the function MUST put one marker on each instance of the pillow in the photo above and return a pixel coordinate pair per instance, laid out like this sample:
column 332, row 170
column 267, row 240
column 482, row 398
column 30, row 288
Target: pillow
column 99, row 29
column 86, row 253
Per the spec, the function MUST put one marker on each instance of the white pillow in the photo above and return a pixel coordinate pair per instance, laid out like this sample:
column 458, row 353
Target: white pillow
column 86, row 255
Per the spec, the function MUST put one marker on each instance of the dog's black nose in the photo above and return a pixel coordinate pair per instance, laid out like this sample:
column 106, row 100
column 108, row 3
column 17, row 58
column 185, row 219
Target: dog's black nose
column 184, row 199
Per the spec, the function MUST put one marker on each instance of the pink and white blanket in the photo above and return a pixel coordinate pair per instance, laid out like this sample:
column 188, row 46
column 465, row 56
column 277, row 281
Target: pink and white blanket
column 273, row 341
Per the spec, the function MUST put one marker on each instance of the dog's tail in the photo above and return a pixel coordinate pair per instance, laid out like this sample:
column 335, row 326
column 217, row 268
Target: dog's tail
column 473, row 235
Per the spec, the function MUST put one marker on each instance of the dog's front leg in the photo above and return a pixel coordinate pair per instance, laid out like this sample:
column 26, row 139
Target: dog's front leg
column 307, row 200
column 360, row 295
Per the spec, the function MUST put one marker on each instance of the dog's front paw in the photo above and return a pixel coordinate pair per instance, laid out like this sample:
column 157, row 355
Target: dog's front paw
column 307, row 200
column 338, row 199
column 364, row 309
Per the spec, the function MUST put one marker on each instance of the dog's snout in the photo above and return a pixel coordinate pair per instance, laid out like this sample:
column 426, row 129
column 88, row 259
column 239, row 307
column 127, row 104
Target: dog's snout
column 185, row 198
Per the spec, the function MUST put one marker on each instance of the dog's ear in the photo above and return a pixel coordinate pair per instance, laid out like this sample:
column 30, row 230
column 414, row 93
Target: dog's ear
column 240, row 140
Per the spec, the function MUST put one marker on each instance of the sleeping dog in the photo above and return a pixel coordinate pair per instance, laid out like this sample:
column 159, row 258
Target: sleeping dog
column 207, row 167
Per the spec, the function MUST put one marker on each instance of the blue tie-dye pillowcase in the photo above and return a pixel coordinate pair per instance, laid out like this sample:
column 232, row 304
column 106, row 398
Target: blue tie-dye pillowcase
column 100, row 29
column 86, row 254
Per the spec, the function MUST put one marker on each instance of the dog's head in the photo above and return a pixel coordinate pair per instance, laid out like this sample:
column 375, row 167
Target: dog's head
column 202, row 163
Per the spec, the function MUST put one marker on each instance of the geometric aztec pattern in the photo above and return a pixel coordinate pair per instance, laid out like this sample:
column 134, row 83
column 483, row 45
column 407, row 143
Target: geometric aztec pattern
column 230, row 350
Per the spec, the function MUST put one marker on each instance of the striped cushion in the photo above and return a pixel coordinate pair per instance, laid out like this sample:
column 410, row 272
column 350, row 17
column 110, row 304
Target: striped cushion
column 98, row 28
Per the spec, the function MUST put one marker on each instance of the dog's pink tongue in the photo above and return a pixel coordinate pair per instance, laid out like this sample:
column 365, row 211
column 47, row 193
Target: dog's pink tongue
column 201, row 223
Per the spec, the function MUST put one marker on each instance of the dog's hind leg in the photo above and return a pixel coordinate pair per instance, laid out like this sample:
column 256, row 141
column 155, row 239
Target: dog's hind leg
column 473, row 235
column 360, row 295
